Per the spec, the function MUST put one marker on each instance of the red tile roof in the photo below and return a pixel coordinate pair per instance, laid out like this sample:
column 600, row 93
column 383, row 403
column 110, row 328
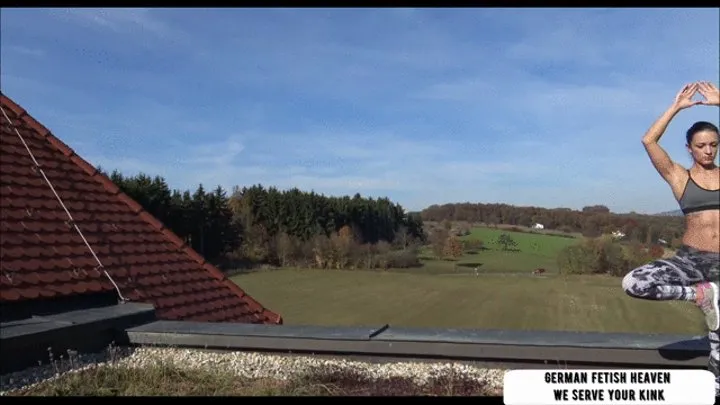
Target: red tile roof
column 43, row 256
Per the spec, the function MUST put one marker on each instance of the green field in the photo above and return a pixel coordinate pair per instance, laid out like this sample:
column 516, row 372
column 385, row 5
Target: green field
column 536, row 250
column 536, row 243
column 496, row 301
column 447, row 294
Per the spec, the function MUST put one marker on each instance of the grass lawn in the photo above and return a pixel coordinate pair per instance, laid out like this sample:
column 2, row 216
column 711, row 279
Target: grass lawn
column 536, row 250
column 490, row 301
column 541, row 231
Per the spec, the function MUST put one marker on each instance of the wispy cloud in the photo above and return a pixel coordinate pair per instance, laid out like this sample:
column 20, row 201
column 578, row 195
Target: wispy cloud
column 214, row 153
column 25, row 51
column 542, row 107
column 118, row 20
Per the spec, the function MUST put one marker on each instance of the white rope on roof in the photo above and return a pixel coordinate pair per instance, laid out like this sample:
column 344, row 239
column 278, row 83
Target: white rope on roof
column 71, row 221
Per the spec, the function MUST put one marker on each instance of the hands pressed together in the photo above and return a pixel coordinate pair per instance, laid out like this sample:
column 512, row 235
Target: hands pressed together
column 706, row 89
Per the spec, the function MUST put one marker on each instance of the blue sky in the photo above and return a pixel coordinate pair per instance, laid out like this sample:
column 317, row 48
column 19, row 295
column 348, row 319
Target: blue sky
column 540, row 107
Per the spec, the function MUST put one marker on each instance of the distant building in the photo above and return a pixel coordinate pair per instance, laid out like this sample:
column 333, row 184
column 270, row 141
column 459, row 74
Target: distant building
column 618, row 234
column 538, row 226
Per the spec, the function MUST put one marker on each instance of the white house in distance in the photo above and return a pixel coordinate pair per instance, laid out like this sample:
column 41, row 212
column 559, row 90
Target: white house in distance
column 538, row 226
column 618, row 234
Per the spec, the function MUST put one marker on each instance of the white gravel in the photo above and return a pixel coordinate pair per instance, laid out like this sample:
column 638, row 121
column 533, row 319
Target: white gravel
column 248, row 365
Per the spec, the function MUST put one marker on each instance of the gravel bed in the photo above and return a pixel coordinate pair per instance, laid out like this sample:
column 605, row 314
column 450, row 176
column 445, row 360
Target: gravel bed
column 251, row 366
column 56, row 366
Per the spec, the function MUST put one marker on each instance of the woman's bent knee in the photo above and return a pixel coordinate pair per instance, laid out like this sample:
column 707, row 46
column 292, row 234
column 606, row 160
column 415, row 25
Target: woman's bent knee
column 629, row 283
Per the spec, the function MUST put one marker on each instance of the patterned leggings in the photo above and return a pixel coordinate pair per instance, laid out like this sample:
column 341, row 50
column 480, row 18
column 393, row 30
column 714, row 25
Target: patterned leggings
column 673, row 279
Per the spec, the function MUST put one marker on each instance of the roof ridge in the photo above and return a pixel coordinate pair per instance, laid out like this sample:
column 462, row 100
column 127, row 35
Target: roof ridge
column 136, row 208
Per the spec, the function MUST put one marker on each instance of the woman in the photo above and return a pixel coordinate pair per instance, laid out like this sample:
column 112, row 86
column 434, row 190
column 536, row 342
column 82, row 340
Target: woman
column 693, row 274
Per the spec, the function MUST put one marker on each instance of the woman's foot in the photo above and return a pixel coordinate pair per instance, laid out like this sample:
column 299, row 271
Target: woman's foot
column 707, row 297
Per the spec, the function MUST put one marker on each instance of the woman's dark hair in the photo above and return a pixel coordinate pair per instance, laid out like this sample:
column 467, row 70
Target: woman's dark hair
column 699, row 127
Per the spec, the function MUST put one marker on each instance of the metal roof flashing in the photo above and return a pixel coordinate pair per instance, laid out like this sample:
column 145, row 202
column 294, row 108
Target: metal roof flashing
column 497, row 346
column 23, row 343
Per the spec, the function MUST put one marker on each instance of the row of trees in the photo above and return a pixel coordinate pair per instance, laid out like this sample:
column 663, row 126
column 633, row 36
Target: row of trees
column 255, row 225
column 203, row 219
column 603, row 255
column 591, row 221
column 265, row 225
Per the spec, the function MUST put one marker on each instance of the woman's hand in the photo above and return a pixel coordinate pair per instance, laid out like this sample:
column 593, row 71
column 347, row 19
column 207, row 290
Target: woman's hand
column 684, row 99
column 710, row 92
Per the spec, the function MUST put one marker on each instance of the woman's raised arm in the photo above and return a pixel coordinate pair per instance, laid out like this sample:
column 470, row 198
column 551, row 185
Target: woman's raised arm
column 667, row 168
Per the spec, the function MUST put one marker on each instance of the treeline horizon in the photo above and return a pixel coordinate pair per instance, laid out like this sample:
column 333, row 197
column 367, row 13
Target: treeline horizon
column 258, row 225
column 590, row 221
column 264, row 225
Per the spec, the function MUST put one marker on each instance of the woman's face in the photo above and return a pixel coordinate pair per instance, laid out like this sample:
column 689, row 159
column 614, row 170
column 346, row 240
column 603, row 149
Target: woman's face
column 704, row 147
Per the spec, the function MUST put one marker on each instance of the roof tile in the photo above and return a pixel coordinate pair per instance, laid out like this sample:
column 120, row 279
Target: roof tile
column 43, row 256
column 7, row 294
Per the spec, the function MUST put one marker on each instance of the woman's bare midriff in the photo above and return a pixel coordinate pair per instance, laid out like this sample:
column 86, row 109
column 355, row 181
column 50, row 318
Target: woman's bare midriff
column 703, row 230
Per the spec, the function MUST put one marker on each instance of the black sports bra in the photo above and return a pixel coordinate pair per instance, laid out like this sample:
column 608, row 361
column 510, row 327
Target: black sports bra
column 696, row 198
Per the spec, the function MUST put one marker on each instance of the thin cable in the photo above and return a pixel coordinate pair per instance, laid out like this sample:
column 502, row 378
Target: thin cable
column 71, row 220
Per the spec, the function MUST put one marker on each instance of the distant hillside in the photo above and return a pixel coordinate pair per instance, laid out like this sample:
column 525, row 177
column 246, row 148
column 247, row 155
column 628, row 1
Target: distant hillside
column 676, row 213
column 591, row 221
